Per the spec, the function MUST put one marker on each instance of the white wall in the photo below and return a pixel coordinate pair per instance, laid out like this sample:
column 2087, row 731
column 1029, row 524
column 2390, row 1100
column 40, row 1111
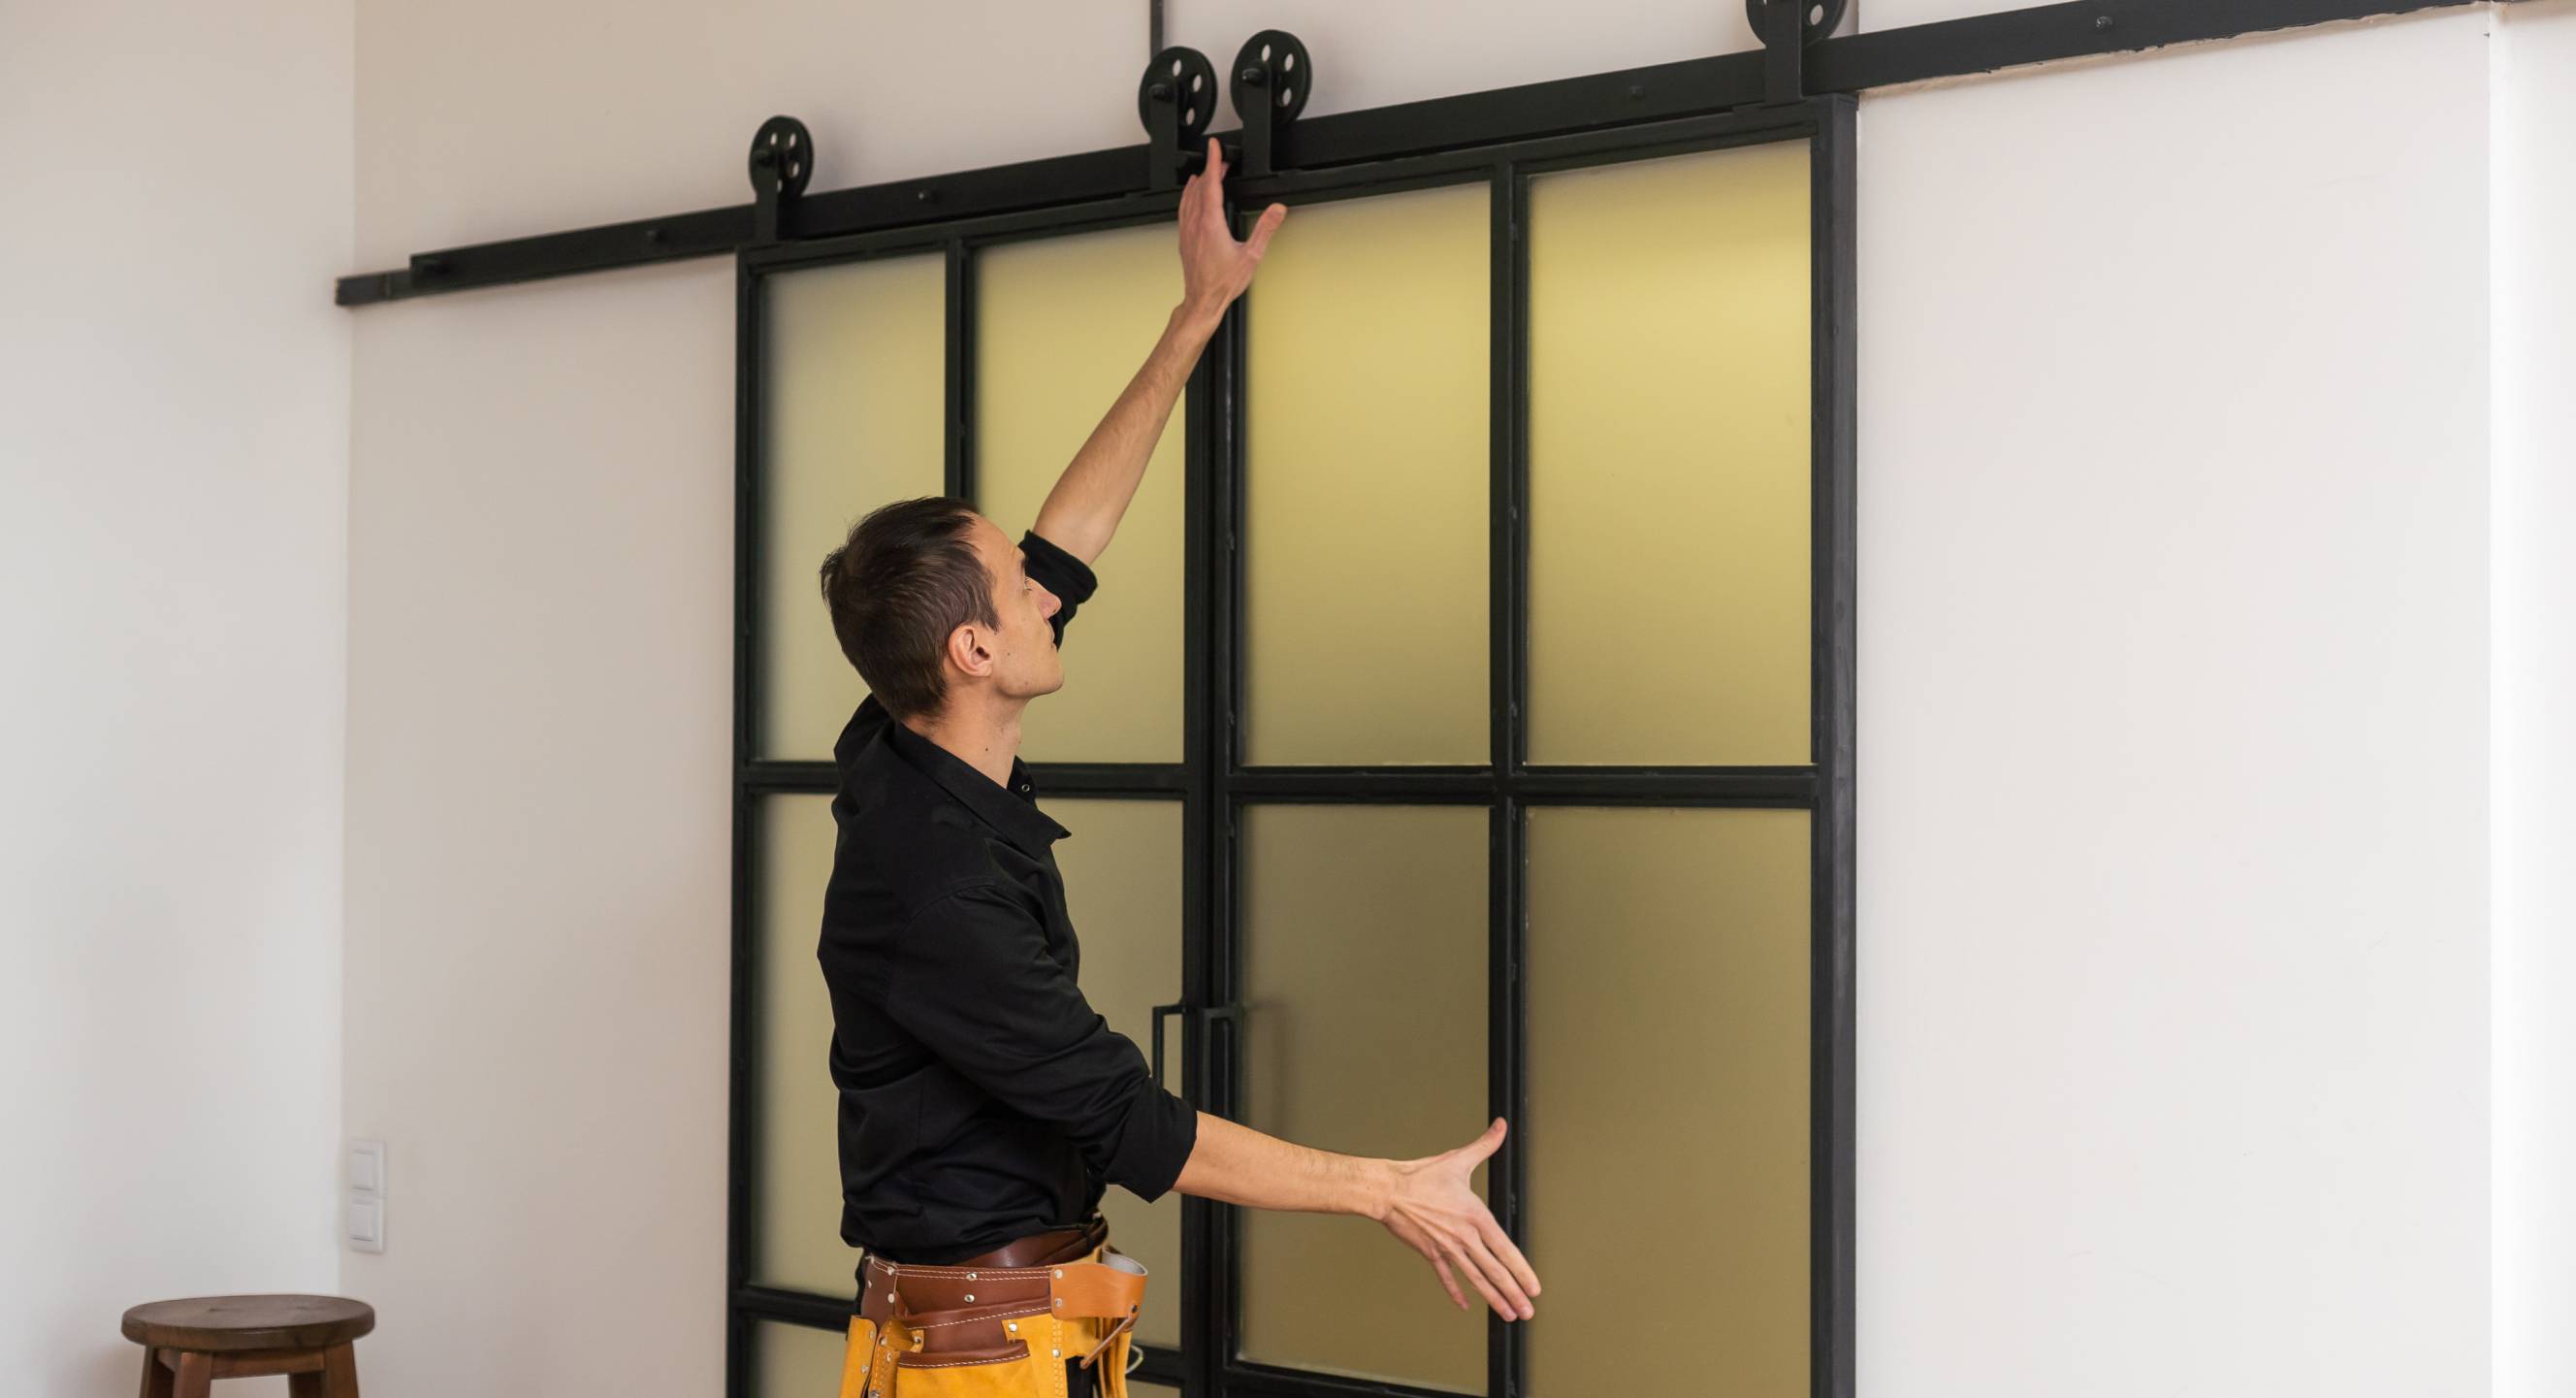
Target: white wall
column 2535, row 676
column 173, row 430
column 2173, row 878
column 2175, row 561
column 540, row 659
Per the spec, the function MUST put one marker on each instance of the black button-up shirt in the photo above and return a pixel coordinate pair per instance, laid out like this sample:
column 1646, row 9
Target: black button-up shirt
column 982, row 1099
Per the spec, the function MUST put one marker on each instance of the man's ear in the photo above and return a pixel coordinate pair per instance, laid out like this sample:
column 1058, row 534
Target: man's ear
column 967, row 651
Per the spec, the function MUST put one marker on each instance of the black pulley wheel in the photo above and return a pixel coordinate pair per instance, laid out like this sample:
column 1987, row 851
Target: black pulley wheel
column 1819, row 18
column 1185, row 78
column 783, row 150
column 1272, row 69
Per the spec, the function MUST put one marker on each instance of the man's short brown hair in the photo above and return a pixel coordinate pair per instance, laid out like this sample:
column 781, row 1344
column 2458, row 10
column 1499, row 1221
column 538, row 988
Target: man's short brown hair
column 902, row 583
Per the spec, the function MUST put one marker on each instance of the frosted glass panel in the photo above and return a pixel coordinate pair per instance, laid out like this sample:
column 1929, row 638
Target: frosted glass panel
column 796, row 1361
column 1668, row 1060
column 1061, row 326
column 799, row 1198
column 1669, row 463
column 1366, row 484
column 1151, row 1390
column 1122, row 883
column 856, row 366
column 1364, row 1000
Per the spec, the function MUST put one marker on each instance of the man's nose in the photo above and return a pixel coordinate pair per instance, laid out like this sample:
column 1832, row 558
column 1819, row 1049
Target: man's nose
column 1051, row 603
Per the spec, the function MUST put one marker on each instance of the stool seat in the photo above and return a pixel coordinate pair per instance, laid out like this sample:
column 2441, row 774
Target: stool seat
column 189, row 1344
column 228, row 1324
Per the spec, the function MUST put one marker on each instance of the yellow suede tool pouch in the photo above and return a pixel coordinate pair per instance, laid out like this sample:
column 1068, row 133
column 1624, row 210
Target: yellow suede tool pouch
column 954, row 1332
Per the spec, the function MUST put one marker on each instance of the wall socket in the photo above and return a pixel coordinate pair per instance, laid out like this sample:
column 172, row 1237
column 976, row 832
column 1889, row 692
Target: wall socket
column 362, row 1211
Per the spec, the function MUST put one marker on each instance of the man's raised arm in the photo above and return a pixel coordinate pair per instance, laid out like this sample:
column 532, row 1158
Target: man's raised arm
column 1092, row 495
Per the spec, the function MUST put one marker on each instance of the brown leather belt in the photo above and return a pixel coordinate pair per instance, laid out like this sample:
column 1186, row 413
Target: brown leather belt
column 974, row 1305
column 1035, row 1250
column 1039, row 1249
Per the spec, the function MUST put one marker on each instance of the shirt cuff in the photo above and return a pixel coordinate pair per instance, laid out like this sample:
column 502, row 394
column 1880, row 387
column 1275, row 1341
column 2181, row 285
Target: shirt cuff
column 1068, row 577
column 1161, row 1132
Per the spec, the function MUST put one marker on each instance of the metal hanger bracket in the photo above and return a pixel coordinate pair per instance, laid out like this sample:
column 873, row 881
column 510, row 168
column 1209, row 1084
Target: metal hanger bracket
column 782, row 162
column 1273, row 77
column 1785, row 28
column 1176, row 99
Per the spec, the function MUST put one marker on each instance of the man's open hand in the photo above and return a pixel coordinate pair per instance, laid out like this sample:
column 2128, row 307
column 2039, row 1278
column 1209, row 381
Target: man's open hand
column 1435, row 1213
column 1215, row 268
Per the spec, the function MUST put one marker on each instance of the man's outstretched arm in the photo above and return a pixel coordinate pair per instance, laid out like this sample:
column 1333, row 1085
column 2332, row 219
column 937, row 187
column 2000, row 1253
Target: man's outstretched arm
column 1093, row 493
column 1425, row 1203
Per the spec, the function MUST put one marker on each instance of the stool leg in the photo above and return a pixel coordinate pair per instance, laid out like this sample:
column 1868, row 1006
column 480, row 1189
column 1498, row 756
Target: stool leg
column 156, row 1375
column 305, row 1385
column 340, row 1372
column 196, row 1377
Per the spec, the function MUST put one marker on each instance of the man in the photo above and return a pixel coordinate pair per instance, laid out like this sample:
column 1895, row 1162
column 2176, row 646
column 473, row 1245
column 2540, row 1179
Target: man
column 985, row 1106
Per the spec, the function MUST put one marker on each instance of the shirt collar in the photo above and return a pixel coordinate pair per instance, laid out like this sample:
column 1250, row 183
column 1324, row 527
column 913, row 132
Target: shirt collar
column 1013, row 812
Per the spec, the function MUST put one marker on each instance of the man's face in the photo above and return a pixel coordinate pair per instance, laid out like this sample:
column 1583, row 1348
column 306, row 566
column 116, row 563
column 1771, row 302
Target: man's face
column 1025, row 662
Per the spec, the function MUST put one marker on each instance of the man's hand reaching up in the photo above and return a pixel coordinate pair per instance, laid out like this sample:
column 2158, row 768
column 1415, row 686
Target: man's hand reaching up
column 1215, row 268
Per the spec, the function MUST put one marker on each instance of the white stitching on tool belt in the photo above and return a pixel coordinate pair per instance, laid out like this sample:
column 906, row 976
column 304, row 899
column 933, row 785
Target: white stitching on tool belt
column 967, row 1363
column 963, row 1274
column 977, row 1320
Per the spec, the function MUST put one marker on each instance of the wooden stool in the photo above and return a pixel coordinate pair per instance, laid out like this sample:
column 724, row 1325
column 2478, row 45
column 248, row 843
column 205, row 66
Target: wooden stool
column 187, row 1345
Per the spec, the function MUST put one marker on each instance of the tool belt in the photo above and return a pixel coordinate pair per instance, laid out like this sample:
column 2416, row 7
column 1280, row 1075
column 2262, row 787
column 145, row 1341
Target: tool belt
column 1001, row 1324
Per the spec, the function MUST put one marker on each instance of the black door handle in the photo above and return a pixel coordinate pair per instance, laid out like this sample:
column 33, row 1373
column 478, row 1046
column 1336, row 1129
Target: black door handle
column 1159, row 1012
column 1231, row 1014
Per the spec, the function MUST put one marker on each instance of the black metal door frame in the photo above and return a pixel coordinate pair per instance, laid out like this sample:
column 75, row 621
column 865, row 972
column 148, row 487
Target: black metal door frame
column 1213, row 783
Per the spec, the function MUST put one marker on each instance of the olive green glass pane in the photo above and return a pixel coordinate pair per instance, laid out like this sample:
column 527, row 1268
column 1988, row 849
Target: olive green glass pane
column 1122, row 883
column 798, row 1191
column 1366, row 481
column 1364, row 1032
column 854, row 359
column 1060, row 327
column 1668, row 461
column 797, row 1361
column 1668, row 1062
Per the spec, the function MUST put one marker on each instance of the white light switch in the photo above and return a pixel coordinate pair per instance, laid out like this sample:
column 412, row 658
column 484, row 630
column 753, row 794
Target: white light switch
column 362, row 1214
column 366, row 1223
column 367, row 1167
